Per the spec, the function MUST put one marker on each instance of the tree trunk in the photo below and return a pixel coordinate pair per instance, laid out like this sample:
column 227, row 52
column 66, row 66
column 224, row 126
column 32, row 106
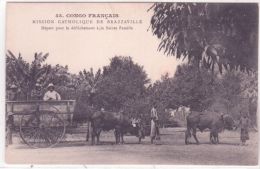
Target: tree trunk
column 227, row 108
column 212, row 73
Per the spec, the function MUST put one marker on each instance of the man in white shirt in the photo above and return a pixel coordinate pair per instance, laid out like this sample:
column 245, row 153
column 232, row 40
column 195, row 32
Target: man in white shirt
column 154, row 124
column 51, row 94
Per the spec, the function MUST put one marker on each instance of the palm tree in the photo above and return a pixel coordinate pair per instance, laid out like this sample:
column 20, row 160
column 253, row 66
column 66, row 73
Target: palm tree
column 91, row 80
column 26, row 75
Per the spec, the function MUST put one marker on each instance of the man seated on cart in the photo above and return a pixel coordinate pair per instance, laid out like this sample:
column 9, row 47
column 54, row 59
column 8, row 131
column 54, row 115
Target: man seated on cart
column 51, row 94
column 37, row 92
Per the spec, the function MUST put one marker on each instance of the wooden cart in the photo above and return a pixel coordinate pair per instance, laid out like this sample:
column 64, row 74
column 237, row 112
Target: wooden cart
column 41, row 123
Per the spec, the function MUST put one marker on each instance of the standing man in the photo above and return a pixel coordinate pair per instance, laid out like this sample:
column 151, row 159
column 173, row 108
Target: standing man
column 12, row 96
column 154, row 124
column 51, row 94
column 244, row 125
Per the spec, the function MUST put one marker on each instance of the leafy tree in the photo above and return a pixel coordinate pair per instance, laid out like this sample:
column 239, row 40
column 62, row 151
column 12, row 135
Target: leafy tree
column 161, row 92
column 139, row 108
column 26, row 75
column 230, row 89
column 238, row 92
column 210, row 33
column 186, row 88
column 249, row 86
column 86, row 86
column 92, row 81
column 122, row 80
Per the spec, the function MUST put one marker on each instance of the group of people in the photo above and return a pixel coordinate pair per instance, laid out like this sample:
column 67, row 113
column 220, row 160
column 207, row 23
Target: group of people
column 36, row 93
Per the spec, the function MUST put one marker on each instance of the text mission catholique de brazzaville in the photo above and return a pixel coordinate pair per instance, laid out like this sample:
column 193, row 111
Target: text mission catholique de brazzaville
column 83, row 21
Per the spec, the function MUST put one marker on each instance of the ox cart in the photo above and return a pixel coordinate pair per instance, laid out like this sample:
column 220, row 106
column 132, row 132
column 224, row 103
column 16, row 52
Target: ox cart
column 41, row 123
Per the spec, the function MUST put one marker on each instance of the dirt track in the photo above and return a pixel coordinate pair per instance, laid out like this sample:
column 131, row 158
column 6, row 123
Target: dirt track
column 172, row 150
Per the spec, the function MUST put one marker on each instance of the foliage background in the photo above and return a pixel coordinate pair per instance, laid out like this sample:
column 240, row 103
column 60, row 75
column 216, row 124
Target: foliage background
column 219, row 41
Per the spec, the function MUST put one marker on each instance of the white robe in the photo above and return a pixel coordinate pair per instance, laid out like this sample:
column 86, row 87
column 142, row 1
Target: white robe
column 154, row 117
column 51, row 95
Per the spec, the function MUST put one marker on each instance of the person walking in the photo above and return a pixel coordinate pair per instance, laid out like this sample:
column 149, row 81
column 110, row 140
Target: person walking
column 244, row 125
column 154, row 124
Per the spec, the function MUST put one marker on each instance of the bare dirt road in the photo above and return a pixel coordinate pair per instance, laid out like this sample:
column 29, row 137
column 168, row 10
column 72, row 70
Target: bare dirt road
column 172, row 150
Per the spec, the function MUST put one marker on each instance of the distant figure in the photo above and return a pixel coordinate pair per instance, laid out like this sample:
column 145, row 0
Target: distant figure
column 12, row 96
column 244, row 125
column 13, row 93
column 51, row 94
column 154, row 124
column 139, row 127
column 102, row 110
column 37, row 93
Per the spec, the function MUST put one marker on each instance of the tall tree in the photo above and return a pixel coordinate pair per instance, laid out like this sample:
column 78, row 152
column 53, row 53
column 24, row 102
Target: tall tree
column 122, row 80
column 211, row 33
column 186, row 88
column 86, row 85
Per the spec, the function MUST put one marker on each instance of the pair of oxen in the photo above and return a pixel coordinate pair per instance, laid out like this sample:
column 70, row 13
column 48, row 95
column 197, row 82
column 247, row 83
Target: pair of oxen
column 117, row 121
column 122, row 124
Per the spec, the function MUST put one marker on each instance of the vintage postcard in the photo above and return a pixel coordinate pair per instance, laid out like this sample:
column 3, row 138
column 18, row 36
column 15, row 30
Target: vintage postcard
column 131, row 83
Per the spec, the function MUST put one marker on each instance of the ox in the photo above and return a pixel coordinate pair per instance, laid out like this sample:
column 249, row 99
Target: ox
column 207, row 120
column 118, row 122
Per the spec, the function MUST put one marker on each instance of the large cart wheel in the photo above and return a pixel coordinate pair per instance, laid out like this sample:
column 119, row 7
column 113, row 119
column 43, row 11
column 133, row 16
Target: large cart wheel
column 42, row 129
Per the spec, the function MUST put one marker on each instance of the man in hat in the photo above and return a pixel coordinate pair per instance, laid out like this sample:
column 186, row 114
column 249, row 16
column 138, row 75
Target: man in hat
column 37, row 93
column 51, row 94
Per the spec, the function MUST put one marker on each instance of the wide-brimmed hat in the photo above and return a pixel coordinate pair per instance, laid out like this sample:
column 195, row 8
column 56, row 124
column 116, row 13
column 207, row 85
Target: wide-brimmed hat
column 50, row 85
column 13, row 86
column 38, row 85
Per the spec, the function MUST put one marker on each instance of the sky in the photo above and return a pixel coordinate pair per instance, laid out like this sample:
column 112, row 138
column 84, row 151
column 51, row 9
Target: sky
column 83, row 49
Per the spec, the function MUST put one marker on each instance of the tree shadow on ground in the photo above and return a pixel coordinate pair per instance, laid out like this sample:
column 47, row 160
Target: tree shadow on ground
column 221, row 143
column 80, row 144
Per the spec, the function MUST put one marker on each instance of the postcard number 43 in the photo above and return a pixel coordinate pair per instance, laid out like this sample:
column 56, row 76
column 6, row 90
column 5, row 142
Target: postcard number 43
column 58, row 15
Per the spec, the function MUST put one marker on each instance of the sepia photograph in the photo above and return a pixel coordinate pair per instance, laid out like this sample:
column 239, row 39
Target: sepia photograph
column 158, row 83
